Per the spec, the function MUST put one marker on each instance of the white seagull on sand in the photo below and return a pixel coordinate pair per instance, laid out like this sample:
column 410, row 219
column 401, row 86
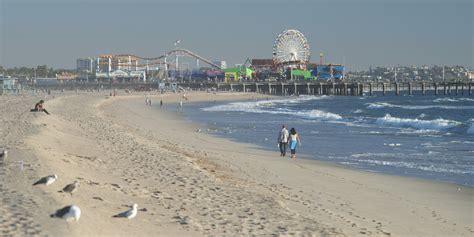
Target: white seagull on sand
column 129, row 214
column 70, row 188
column 68, row 213
column 47, row 180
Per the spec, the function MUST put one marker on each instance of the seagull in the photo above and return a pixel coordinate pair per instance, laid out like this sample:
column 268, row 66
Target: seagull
column 47, row 180
column 4, row 153
column 130, row 213
column 68, row 213
column 70, row 188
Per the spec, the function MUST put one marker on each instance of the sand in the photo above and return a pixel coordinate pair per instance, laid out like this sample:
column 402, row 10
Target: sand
column 190, row 183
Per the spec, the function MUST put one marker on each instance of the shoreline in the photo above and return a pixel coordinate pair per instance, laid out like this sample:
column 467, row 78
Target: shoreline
column 197, row 184
column 307, row 156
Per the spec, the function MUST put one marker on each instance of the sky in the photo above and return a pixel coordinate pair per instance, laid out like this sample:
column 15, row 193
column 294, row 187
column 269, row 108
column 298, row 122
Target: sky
column 359, row 33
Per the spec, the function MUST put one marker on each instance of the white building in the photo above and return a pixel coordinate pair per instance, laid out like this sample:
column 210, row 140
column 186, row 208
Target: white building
column 86, row 65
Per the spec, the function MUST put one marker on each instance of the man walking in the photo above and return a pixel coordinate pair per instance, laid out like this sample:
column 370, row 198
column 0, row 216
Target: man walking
column 283, row 140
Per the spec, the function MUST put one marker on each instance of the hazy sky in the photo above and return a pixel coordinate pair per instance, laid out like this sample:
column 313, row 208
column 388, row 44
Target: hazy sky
column 365, row 32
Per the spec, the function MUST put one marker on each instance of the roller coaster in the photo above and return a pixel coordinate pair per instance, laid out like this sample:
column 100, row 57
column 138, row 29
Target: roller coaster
column 131, row 60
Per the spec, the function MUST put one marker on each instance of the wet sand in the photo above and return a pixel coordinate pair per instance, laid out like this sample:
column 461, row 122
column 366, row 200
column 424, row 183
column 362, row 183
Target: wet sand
column 192, row 183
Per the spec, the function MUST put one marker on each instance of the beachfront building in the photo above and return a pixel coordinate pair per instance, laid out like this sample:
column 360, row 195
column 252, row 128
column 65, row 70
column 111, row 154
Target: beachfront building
column 8, row 84
column 237, row 74
column 88, row 65
column 123, row 76
column 66, row 77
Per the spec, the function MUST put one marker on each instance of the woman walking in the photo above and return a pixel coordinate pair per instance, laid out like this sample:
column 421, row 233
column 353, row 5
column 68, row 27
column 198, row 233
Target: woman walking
column 294, row 141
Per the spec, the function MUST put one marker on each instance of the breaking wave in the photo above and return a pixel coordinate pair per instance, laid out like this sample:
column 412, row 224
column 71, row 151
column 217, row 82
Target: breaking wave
column 440, row 100
column 271, row 107
column 437, row 124
column 381, row 105
column 412, row 165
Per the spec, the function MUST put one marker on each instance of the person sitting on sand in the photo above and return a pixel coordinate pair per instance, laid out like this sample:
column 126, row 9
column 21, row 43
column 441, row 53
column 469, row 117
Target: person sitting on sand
column 39, row 107
column 294, row 141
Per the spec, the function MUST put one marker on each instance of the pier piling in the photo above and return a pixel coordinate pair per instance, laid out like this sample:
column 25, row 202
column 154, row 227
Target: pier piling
column 345, row 88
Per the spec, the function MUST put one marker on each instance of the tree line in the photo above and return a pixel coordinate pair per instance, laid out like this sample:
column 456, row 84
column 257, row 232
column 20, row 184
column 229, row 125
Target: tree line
column 31, row 72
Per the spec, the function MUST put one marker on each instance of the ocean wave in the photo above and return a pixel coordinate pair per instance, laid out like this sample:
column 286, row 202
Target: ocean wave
column 412, row 165
column 318, row 114
column 437, row 124
column 440, row 100
column 253, row 105
column 381, row 105
column 371, row 154
column 270, row 107
column 470, row 130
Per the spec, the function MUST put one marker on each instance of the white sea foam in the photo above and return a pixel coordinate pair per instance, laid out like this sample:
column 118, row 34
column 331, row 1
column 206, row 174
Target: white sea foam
column 255, row 106
column 437, row 124
column 318, row 114
column 470, row 130
column 424, row 167
column 381, row 105
column 440, row 100
column 271, row 107
column 371, row 154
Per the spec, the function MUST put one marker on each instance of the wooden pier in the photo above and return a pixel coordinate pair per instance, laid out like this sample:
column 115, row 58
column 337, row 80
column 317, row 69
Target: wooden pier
column 340, row 88
column 299, row 87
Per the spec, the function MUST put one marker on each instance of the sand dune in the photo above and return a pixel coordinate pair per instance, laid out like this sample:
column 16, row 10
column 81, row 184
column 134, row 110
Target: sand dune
column 192, row 183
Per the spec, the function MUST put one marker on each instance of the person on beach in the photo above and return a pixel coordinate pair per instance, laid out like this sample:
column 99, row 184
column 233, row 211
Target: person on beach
column 161, row 103
column 180, row 105
column 293, row 142
column 283, row 140
column 39, row 107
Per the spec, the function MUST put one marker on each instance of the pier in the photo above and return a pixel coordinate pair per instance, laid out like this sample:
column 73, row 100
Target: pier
column 297, row 87
column 339, row 88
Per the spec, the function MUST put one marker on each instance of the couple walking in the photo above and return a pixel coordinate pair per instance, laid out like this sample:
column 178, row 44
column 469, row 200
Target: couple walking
column 291, row 139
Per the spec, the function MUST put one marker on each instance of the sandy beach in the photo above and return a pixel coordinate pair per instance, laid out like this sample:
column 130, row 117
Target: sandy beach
column 190, row 183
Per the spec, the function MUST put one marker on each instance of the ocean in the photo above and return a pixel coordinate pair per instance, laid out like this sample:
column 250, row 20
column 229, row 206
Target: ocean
column 419, row 136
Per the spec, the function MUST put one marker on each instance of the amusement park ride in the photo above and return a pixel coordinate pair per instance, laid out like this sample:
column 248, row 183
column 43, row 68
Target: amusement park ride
column 291, row 56
column 109, row 62
column 291, row 50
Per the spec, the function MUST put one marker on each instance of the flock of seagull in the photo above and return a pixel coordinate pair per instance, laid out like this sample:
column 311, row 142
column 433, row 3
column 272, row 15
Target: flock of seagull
column 71, row 212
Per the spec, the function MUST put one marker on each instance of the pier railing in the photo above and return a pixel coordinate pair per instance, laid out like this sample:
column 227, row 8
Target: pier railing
column 297, row 87
column 341, row 88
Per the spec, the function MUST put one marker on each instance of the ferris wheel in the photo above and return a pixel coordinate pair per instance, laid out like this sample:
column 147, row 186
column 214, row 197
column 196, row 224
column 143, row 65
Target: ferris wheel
column 291, row 49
